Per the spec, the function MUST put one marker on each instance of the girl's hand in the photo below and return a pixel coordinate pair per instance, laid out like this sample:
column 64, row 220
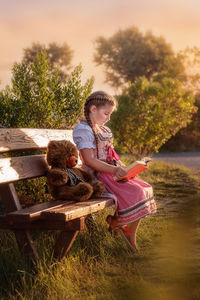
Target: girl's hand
column 120, row 171
column 121, row 163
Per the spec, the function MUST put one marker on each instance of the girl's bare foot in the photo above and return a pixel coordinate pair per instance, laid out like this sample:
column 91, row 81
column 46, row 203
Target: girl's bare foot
column 130, row 238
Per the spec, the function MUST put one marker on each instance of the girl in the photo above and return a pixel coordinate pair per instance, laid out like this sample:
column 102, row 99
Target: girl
column 134, row 198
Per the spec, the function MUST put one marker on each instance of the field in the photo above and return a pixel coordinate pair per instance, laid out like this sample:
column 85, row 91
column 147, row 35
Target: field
column 101, row 266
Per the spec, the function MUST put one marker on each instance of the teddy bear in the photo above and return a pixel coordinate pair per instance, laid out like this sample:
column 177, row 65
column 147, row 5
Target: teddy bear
column 65, row 180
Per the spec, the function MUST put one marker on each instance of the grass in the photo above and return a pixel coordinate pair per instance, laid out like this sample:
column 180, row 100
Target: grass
column 101, row 266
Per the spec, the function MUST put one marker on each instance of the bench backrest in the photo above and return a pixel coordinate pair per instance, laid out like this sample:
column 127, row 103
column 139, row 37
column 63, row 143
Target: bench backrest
column 23, row 167
column 14, row 168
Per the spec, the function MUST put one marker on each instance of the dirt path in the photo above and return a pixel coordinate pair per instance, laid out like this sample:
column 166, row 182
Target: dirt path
column 187, row 159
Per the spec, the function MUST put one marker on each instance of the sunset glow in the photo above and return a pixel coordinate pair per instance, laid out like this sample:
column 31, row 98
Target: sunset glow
column 78, row 23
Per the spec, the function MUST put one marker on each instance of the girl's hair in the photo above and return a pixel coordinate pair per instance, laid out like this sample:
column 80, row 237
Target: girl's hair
column 98, row 99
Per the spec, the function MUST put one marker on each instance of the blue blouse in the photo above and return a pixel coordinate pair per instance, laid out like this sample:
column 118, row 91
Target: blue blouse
column 83, row 136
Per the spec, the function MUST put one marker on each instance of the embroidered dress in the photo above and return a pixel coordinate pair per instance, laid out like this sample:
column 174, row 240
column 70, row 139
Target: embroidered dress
column 134, row 198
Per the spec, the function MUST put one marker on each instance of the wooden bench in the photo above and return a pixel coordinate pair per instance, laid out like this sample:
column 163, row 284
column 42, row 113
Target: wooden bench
column 67, row 217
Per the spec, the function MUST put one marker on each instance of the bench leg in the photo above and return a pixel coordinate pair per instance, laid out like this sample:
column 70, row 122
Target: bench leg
column 64, row 243
column 11, row 202
column 25, row 244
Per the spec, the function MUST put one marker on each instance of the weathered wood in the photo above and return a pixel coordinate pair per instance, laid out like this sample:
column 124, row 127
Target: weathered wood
column 63, row 243
column 3, row 222
column 24, row 240
column 25, row 244
column 9, row 197
column 33, row 213
column 77, row 210
column 23, row 167
column 27, row 138
column 42, row 225
column 59, row 210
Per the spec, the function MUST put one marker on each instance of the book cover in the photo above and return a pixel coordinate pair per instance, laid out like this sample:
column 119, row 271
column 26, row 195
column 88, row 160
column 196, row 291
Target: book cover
column 134, row 169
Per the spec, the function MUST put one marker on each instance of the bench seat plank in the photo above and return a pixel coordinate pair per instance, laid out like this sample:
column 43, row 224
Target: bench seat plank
column 77, row 210
column 33, row 213
column 59, row 210
column 18, row 168
column 77, row 224
column 17, row 139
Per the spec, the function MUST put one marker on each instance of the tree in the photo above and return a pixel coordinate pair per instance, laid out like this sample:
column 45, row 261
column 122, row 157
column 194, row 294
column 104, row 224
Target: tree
column 59, row 57
column 152, row 113
column 129, row 54
column 6, row 108
column 39, row 99
column 186, row 139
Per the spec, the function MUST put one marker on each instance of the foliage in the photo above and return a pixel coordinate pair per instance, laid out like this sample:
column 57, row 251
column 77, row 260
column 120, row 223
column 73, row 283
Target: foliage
column 129, row 54
column 6, row 108
column 152, row 113
column 187, row 139
column 38, row 98
column 59, row 57
column 192, row 64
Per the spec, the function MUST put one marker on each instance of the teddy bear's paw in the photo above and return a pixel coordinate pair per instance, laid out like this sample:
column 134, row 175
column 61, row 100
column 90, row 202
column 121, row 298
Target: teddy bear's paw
column 57, row 177
column 98, row 188
column 83, row 192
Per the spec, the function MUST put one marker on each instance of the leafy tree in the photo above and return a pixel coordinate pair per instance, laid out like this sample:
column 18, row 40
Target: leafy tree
column 6, row 108
column 38, row 98
column 59, row 57
column 129, row 54
column 152, row 113
column 192, row 65
column 187, row 139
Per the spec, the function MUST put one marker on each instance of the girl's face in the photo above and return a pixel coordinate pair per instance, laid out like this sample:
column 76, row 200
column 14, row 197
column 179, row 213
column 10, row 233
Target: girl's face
column 101, row 115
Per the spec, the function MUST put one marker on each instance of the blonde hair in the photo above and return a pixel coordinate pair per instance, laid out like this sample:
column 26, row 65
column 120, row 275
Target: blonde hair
column 98, row 99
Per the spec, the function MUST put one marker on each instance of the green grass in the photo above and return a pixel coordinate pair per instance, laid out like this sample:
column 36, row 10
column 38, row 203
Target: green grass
column 100, row 266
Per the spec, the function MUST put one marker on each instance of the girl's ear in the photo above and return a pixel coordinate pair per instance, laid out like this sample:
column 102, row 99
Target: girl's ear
column 93, row 108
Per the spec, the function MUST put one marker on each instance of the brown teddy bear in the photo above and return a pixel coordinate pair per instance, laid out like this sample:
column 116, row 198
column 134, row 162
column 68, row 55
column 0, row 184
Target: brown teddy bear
column 65, row 180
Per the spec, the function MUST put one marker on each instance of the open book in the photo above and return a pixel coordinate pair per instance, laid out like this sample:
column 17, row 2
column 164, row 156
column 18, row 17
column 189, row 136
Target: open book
column 135, row 168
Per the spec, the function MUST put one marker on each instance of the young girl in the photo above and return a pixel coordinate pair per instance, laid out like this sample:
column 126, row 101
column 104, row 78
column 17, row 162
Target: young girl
column 134, row 198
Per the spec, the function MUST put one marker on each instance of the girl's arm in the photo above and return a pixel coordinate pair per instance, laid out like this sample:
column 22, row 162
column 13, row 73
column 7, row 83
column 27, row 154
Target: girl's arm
column 91, row 161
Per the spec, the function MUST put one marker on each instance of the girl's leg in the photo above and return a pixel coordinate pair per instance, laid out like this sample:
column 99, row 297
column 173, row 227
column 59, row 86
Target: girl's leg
column 133, row 229
column 129, row 233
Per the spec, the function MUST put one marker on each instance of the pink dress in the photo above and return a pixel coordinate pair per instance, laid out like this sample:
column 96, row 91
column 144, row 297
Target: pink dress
column 134, row 198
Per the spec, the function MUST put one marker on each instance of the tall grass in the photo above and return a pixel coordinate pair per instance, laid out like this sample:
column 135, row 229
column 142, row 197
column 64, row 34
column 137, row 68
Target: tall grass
column 101, row 266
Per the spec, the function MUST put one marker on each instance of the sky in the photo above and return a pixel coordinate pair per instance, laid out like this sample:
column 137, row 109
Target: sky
column 79, row 22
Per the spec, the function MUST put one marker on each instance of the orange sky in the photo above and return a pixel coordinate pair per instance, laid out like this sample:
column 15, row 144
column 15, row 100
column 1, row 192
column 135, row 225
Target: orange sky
column 78, row 23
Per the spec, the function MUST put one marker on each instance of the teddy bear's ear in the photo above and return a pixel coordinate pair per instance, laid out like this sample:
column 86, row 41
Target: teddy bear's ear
column 52, row 144
column 58, row 153
column 53, row 152
column 70, row 148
